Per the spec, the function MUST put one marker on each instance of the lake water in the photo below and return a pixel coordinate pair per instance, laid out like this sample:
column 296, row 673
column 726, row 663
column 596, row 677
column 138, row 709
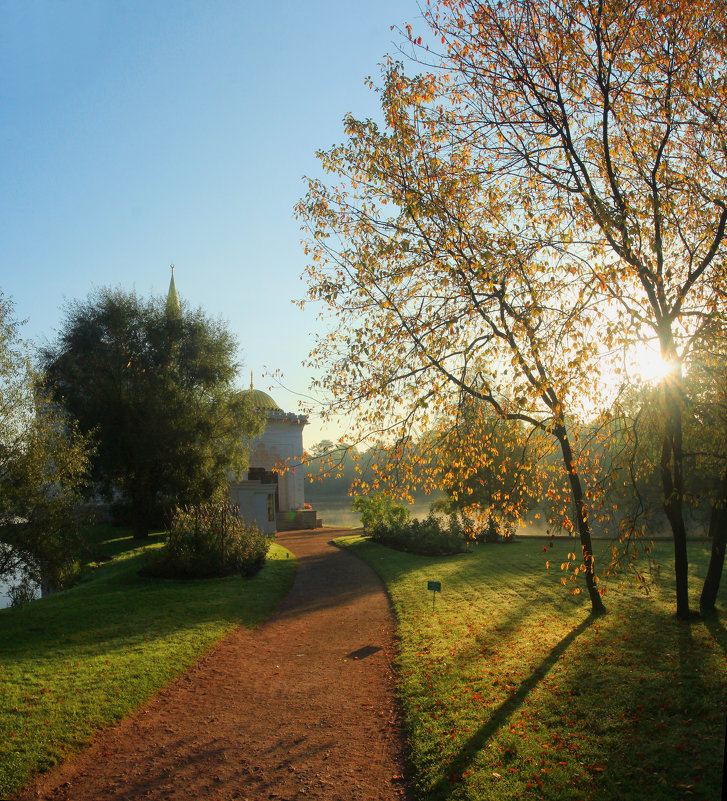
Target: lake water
column 338, row 512
column 4, row 597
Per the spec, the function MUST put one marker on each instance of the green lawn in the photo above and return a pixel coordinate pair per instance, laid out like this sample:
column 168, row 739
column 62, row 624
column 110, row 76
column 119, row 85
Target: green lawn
column 82, row 659
column 510, row 690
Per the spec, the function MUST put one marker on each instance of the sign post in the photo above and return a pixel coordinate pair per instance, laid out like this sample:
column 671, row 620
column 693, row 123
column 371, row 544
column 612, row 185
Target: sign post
column 435, row 587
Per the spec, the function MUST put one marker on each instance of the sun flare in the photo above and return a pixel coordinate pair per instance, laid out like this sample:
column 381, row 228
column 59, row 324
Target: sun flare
column 647, row 366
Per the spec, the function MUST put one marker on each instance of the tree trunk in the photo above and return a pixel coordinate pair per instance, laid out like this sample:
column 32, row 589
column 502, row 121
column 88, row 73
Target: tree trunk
column 718, row 535
column 584, row 529
column 673, row 486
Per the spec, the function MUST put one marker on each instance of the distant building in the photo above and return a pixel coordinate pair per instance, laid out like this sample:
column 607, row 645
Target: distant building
column 271, row 492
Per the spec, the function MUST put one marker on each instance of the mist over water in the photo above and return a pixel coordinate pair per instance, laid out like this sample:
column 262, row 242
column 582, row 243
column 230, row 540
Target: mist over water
column 338, row 512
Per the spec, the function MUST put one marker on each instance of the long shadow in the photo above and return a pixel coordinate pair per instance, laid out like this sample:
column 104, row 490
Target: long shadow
column 106, row 541
column 506, row 710
column 667, row 705
column 716, row 628
column 117, row 605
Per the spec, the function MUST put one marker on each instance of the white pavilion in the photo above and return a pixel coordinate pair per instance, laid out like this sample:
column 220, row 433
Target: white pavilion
column 271, row 491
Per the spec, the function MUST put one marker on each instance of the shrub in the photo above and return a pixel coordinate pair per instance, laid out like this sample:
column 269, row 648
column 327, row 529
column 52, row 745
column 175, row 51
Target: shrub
column 210, row 540
column 22, row 593
column 378, row 510
column 430, row 537
column 492, row 531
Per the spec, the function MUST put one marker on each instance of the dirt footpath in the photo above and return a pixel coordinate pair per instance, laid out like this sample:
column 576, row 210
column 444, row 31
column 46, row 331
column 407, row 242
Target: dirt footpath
column 303, row 708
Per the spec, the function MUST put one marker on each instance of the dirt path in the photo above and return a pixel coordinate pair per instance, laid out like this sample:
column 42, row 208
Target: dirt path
column 303, row 708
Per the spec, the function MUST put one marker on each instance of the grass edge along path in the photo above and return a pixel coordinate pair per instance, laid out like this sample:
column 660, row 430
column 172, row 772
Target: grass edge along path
column 81, row 660
column 511, row 690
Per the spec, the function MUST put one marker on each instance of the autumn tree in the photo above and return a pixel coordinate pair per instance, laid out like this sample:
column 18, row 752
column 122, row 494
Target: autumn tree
column 441, row 298
column 506, row 474
column 706, row 444
column 610, row 117
column 157, row 391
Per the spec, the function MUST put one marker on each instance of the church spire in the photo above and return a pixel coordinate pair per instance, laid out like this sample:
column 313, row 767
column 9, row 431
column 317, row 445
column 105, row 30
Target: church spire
column 174, row 308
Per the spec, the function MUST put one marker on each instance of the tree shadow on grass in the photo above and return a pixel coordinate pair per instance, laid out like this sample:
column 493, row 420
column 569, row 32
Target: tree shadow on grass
column 105, row 541
column 716, row 628
column 468, row 752
column 114, row 604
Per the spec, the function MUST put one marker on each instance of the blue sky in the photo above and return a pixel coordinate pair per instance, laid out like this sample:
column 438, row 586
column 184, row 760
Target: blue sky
column 134, row 135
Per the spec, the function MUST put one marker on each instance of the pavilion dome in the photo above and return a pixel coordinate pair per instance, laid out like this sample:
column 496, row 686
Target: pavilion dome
column 262, row 401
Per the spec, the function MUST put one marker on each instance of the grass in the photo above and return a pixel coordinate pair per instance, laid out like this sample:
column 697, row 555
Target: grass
column 83, row 659
column 512, row 691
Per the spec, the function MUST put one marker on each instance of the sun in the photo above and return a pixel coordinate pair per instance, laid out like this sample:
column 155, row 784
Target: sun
column 646, row 365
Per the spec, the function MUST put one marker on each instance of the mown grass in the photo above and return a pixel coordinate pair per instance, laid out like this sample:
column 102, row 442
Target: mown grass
column 83, row 659
column 512, row 691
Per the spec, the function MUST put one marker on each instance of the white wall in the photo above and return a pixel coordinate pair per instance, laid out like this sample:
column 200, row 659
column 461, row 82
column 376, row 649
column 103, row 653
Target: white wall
column 282, row 443
column 256, row 501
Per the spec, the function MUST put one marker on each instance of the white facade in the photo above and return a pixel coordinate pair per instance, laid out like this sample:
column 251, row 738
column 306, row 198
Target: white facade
column 276, row 469
column 256, row 502
column 281, row 444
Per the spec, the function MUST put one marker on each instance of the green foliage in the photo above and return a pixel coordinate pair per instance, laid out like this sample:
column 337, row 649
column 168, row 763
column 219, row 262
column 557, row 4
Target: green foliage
column 430, row 536
column 378, row 510
column 157, row 391
column 79, row 661
column 209, row 540
column 501, row 698
column 43, row 468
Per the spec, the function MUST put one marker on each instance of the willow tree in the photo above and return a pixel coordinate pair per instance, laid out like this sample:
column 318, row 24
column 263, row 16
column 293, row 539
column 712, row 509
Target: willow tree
column 507, row 482
column 443, row 289
column 156, row 388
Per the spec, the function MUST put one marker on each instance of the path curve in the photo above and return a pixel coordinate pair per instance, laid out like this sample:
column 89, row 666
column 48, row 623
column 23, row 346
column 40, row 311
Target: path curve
column 302, row 708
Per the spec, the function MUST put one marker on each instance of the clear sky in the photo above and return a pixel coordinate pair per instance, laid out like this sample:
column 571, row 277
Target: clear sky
column 134, row 135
